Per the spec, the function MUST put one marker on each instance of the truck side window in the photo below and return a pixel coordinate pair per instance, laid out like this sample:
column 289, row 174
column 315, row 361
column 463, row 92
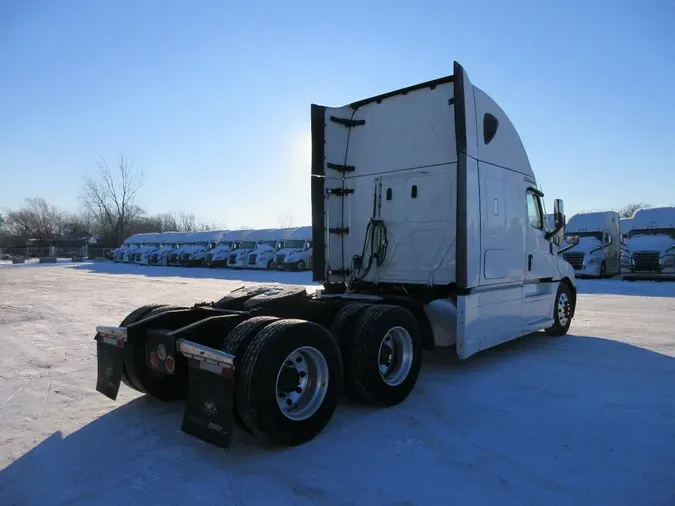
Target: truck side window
column 534, row 213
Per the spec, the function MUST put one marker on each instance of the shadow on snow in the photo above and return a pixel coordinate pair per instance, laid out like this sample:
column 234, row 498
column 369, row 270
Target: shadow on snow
column 539, row 420
column 255, row 276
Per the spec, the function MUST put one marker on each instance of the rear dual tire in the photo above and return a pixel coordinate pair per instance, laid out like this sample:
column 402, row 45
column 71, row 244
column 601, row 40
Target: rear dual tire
column 288, row 379
column 384, row 354
column 136, row 315
column 164, row 387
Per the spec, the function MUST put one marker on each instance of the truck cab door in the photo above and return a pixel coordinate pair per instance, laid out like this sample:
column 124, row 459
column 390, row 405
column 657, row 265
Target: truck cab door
column 541, row 269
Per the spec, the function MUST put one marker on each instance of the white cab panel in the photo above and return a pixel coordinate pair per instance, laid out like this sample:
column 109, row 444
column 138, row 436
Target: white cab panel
column 502, row 225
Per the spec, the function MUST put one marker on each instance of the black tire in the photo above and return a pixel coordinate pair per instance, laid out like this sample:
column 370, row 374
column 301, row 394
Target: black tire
column 342, row 328
column 603, row 270
column 236, row 342
column 165, row 387
column 276, row 297
column 270, row 265
column 562, row 322
column 301, row 265
column 136, row 315
column 366, row 383
column 257, row 389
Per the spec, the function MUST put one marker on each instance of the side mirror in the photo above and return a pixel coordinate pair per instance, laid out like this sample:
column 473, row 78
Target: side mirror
column 558, row 218
column 608, row 240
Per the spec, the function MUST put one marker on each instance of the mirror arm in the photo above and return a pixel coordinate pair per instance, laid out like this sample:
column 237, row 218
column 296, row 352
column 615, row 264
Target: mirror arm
column 562, row 250
column 551, row 233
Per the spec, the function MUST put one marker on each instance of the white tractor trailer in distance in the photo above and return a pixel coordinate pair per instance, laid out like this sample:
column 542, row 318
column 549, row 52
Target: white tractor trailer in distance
column 649, row 249
column 239, row 255
column 597, row 252
column 296, row 253
column 262, row 257
column 428, row 231
column 203, row 243
column 625, row 225
column 171, row 241
column 217, row 257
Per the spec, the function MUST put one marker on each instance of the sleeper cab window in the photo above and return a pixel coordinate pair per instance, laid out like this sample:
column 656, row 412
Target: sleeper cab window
column 534, row 213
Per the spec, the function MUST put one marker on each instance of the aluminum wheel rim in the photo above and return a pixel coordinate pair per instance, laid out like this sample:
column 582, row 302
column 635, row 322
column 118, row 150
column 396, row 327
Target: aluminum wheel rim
column 563, row 304
column 395, row 356
column 311, row 368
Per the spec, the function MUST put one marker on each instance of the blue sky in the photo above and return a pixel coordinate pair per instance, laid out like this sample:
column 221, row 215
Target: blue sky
column 211, row 98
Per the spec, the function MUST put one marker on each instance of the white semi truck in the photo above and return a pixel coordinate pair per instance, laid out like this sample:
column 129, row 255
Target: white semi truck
column 649, row 250
column 598, row 250
column 117, row 254
column 429, row 232
column 217, row 257
column 135, row 243
column 625, row 225
column 203, row 243
column 187, row 244
column 150, row 243
column 296, row 253
column 263, row 256
column 165, row 241
column 238, row 257
column 172, row 244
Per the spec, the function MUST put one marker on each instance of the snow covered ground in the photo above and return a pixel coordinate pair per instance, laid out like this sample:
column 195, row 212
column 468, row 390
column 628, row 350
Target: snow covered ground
column 584, row 419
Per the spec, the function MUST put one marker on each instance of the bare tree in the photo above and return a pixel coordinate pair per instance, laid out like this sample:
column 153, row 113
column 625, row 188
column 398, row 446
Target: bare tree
column 110, row 195
column 167, row 222
column 286, row 220
column 628, row 210
column 36, row 220
column 205, row 225
column 187, row 222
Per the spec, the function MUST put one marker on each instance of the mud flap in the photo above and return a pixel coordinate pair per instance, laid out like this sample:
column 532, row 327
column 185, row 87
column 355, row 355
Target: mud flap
column 209, row 407
column 110, row 342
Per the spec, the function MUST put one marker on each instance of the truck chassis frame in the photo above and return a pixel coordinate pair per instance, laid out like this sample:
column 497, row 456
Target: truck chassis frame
column 210, row 355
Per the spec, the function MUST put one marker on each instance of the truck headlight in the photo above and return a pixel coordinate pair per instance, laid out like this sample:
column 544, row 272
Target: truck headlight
column 625, row 260
column 669, row 260
column 594, row 260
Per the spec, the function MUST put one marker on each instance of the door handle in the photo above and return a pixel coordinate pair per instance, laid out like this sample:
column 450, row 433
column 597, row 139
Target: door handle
column 529, row 262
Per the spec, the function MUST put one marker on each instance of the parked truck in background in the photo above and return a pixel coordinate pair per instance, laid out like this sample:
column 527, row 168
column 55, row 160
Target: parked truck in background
column 296, row 253
column 262, row 257
column 136, row 243
column 238, row 256
column 150, row 243
column 428, row 232
column 598, row 251
column 165, row 242
column 625, row 224
column 117, row 254
column 203, row 242
column 649, row 250
column 187, row 244
column 217, row 257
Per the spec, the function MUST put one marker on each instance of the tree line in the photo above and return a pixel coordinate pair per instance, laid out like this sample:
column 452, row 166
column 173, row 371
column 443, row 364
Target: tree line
column 109, row 209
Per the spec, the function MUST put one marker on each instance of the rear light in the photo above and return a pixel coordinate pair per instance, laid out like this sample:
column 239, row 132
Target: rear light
column 169, row 363
column 154, row 360
column 161, row 351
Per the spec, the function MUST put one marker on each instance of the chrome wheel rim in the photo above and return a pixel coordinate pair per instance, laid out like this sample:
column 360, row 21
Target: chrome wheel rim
column 395, row 356
column 563, row 307
column 302, row 383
